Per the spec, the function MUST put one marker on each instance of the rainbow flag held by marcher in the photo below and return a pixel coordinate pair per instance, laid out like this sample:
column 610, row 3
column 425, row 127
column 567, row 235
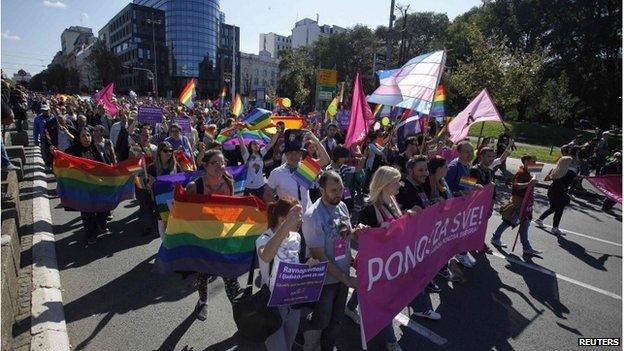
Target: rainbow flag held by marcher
column 91, row 186
column 248, row 136
column 239, row 174
column 222, row 96
column 437, row 109
column 468, row 181
column 163, row 190
column 237, row 105
column 213, row 234
column 183, row 161
column 258, row 118
column 535, row 167
column 188, row 94
column 307, row 172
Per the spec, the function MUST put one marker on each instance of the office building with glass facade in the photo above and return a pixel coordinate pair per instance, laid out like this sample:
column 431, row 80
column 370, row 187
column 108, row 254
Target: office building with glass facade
column 193, row 39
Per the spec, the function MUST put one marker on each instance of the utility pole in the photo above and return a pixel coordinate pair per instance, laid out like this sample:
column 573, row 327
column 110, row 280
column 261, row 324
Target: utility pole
column 154, row 22
column 233, row 62
column 389, row 35
column 403, row 48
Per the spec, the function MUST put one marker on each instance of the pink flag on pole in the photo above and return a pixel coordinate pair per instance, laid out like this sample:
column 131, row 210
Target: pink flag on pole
column 361, row 115
column 610, row 185
column 395, row 264
column 105, row 98
column 480, row 109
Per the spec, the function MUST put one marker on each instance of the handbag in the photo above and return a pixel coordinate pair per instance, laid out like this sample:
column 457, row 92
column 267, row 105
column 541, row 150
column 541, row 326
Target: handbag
column 254, row 319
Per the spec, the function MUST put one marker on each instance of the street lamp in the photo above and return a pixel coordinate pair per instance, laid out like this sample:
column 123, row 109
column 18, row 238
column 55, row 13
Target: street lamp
column 150, row 75
column 154, row 22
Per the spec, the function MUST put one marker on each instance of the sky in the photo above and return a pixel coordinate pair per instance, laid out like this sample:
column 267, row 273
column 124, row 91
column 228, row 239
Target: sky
column 31, row 29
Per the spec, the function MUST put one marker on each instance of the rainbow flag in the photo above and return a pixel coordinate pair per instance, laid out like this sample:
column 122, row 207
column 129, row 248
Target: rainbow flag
column 91, row 186
column 222, row 96
column 183, row 161
column 231, row 139
column 188, row 93
column 239, row 173
column 307, row 172
column 437, row 109
column 468, row 181
column 213, row 234
column 163, row 190
column 258, row 118
column 237, row 105
column 535, row 168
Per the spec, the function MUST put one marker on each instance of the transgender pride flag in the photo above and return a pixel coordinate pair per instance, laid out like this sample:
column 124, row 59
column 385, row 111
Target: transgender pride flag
column 412, row 86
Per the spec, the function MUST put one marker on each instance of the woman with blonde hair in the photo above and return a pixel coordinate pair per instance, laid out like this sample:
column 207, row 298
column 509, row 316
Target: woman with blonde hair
column 382, row 208
column 562, row 177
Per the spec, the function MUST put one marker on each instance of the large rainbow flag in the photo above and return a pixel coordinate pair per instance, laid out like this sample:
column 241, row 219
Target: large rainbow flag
column 91, row 186
column 188, row 93
column 258, row 118
column 237, row 105
column 212, row 234
column 231, row 139
column 164, row 186
column 437, row 109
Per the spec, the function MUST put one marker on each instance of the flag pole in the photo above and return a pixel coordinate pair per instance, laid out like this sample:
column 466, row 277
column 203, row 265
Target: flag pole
column 481, row 132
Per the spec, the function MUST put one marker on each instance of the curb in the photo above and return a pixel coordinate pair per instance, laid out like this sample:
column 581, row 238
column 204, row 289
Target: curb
column 48, row 328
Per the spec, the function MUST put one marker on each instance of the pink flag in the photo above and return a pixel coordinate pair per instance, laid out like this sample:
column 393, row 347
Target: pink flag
column 395, row 264
column 105, row 98
column 480, row 109
column 609, row 184
column 361, row 115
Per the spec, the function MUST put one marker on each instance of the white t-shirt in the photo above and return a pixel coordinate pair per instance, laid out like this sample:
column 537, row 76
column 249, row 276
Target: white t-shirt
column 285, row 185
column 288, row 252
column 255, row 168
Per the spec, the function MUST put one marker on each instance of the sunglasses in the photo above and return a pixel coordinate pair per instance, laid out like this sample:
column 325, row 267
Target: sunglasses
column 216, row 163
column 167, row 151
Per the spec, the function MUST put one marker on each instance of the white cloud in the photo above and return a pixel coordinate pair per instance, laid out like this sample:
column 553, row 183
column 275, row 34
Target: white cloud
column 6, row 35
column 57, row 4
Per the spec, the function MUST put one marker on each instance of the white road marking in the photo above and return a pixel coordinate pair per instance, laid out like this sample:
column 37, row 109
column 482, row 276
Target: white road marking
column 418, row 328
column 557, row 275
column 585, row 236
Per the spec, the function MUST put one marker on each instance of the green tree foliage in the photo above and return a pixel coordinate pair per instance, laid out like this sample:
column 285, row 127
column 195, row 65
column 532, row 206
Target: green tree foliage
column 297, row 76
column 510, row 75
column 557, row 102
column 56, row 78
column 105, row 65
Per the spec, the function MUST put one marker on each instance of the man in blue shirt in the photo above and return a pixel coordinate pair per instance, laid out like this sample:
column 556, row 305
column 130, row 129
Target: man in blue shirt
column 458, row 168
column 39, row 123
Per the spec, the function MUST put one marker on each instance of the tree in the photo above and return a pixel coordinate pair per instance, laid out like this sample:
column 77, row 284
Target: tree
column 509, row 75
column 297, row 76
column 558, row 102
column 105, row 66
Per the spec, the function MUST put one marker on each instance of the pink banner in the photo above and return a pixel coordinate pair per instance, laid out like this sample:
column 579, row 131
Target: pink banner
column 610, row 185
column 395, row 264
column 527, row 203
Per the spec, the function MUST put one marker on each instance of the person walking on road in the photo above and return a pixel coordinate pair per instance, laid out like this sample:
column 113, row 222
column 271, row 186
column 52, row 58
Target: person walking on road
column 562, row 177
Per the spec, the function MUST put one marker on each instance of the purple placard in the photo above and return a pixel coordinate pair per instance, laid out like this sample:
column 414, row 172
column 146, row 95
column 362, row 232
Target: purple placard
column 297, row 283
column 149, row 114
column 342, row 117
column 185, row 123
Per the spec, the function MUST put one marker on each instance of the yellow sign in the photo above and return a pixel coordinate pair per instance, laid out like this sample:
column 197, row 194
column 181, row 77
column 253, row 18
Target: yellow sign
column 327, row 77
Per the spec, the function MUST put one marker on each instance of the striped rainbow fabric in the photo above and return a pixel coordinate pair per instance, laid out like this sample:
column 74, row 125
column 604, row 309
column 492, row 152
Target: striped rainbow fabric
column 248, row 135
column 237, row 105
column 307, row 172
column 258, row 118
column 437, row 109
column 91, row 186
column 213, row 234
column 163, row 190
column 188, row 93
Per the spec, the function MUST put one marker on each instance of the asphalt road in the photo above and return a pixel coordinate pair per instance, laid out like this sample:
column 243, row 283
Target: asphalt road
column 113, row 300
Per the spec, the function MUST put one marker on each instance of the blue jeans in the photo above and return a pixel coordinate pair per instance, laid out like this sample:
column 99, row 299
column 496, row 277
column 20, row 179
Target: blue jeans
column 524, row 232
